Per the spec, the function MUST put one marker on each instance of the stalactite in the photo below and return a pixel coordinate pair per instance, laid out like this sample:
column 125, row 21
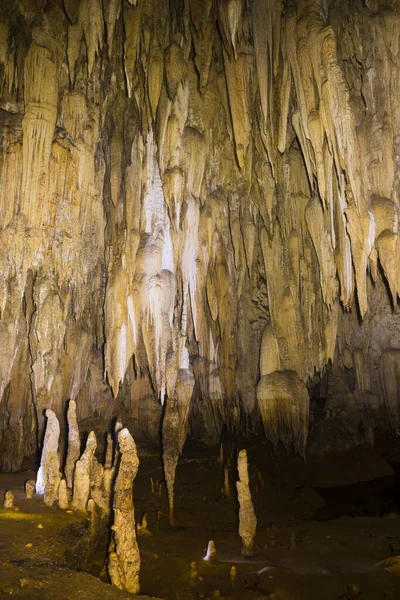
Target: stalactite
column 284, row 405
column 174, row 431
column 41, row 97
column 132, row 21
column 237, row 75
column 184, row 183
column 91, row 20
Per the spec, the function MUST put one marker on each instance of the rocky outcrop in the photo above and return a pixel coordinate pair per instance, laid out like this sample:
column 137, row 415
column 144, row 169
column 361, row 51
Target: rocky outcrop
column 197, row 199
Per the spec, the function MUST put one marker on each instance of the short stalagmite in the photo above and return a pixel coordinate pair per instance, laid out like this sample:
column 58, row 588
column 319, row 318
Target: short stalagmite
column 211, row 554
column 96, row 486
column 8, row 499
column 48, row 476
column 107, row 483
column 124, row 556
column 51, row 489
column 30, row 489
column 73, row 443
column 82, row 475
column 141, row 529
column 63, row 500
column 247, row 517
column 95, row 520
column 117, row 428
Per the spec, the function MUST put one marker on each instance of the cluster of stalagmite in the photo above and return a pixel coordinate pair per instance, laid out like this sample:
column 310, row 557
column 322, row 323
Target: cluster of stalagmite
column 89, row 480
column 93, row 489
column 198, row 207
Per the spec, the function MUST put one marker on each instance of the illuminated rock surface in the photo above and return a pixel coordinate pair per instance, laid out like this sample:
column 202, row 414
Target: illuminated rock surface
column 198, row 210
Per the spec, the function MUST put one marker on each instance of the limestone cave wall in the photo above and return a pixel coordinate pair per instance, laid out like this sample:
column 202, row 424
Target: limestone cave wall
column 199, row 209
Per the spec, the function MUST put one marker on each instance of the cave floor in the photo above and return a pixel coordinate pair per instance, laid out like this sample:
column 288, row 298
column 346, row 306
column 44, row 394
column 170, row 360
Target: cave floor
column 296, row 557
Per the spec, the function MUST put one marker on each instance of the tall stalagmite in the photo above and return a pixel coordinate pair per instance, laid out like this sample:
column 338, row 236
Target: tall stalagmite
column 124, row 556
column 199, row 204
column 49, row 476
column 74, row 444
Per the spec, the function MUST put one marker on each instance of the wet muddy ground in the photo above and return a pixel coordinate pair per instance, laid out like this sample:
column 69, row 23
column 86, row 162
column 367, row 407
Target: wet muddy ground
column 297, row 556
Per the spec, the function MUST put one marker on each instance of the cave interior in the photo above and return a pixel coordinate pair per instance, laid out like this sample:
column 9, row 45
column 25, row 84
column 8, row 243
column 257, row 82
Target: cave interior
column 200, row 299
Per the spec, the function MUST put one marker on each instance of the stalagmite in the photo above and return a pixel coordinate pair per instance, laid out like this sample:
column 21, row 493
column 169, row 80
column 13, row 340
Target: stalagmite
column 141, row 528
column 247, row 518
column 106, row 491
column 8, row 499
column 95, row 526
column 109, row 452
column 194, row 572
column 48, row 475
column 82, row 476
column 30, row 489
column 63, row 500
column 211, row 553
column 124, row 557
column 227, row 486
column 98, row 492
column 73, row 443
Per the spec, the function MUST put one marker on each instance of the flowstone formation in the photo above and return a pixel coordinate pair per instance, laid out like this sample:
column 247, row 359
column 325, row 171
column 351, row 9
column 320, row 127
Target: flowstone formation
column 198, row 206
